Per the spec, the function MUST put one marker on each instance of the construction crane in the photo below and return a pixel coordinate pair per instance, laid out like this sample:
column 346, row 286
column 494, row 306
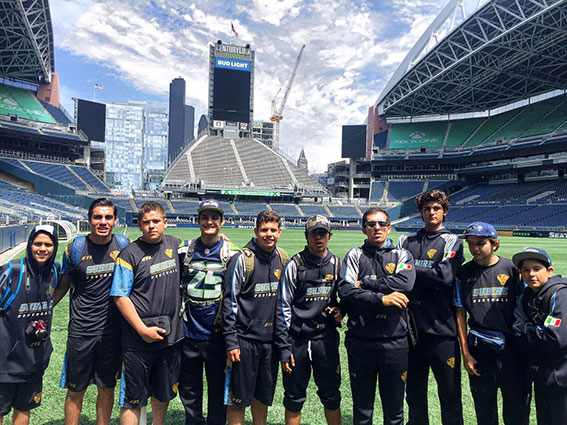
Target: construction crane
column 277, row 112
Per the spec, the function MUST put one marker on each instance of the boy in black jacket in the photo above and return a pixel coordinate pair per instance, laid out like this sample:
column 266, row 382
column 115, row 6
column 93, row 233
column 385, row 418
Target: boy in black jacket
column 438, row 255
column 375, row 279
column 26, row 307
column 541, row 324
column 249, row 304
column 307, row 316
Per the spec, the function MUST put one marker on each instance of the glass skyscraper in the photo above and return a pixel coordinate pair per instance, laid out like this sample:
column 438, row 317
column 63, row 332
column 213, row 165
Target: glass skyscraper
column 136, row 145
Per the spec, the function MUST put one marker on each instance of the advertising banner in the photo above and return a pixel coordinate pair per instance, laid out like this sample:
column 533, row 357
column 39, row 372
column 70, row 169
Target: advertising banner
column 234, row 64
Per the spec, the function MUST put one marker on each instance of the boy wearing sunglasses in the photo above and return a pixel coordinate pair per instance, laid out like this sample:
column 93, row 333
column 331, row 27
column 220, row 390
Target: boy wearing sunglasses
column 375, row 279
column 438, row 255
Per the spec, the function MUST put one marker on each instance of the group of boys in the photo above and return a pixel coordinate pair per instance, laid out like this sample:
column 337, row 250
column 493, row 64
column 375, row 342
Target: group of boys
column 204, row 304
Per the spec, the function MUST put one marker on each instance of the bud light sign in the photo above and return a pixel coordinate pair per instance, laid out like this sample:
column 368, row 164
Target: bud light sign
column 232, row 64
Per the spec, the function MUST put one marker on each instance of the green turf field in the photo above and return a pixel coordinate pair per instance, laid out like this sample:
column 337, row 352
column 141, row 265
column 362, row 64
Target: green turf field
column 51, row 411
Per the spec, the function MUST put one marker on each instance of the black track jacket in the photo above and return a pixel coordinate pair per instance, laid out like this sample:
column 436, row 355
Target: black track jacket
column 301, row 302
column 438, row 256
column 380, row 272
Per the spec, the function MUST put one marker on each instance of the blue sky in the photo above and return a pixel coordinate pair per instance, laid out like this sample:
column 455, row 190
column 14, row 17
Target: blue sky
column 134, row 48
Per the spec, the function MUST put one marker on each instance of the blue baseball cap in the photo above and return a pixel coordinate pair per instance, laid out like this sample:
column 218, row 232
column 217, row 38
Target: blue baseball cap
column 480, row 228
column 210, row 205
column 532, row 254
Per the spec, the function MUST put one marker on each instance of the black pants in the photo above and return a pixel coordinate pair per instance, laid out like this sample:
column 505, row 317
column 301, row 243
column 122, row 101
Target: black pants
column 194, row 355
column 442, row 355
column 321, row 354
column 386, row 361
column 551, row 404
column 507, row 371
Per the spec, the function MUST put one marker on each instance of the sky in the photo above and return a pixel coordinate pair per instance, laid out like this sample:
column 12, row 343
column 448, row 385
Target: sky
column 134, row 48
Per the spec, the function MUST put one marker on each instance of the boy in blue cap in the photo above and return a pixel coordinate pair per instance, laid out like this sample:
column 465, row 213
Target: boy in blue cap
column 487, row 289
column 540, row 317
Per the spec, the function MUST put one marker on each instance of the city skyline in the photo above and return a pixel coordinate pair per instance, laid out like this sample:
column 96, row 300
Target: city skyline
column 135, row 48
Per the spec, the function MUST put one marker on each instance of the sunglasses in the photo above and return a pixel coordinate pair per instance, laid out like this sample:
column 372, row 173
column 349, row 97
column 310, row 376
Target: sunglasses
column 377, row 223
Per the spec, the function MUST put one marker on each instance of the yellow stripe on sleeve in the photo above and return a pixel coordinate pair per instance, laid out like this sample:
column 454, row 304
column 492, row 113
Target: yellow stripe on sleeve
column 123, row 263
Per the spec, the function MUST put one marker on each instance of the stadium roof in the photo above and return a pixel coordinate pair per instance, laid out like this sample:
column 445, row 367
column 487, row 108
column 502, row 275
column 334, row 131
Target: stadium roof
column 26, row 40
column 508, row 50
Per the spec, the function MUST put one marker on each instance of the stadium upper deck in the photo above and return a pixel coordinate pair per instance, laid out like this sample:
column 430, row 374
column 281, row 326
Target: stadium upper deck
column 26, row 51
column 508, row 50
column 239, row 164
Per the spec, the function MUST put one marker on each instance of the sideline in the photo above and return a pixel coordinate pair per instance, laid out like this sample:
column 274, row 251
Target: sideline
column 12, row 252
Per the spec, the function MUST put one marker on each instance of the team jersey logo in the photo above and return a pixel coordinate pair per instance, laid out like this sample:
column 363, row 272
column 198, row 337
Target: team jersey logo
column 404, row 376
column 329, row 277
column 37, row 398
column 114, row 254
column 451, row 362
column 390, row 268
column 431, row 253
column 502, row 278
column 163, row 267
column 265, row 289
column 174, row 387
column 552, row 321
column 277, row 273
column 169, row 252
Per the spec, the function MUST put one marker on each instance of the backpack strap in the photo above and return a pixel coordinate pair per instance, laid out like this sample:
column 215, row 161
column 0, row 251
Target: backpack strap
column 284, row 256
column 77, row 248
column 301, row 269
column 122, row 240
column 248, row 257
column 15, row 272
column 225, row 253
column 190, row 244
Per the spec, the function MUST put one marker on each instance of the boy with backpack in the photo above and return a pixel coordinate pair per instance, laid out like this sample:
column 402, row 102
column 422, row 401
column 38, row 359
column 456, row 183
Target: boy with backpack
column 307, row 316
column 26, row 309
column 204, row 268
column 93, row 344
column 249, row 304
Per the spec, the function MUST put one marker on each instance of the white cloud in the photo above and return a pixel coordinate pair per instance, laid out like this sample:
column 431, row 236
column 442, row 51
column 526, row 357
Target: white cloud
column 351, row 49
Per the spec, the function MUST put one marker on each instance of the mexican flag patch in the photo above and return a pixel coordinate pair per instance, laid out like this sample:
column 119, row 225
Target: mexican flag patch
column 450, row 254
column 552, row 321
column 403, row 266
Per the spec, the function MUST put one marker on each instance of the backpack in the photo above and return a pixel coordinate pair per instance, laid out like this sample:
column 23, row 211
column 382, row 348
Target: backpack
column 248, row 256
column 225, row 257
column 16, row 272
column 302, row 270
column 78, row 247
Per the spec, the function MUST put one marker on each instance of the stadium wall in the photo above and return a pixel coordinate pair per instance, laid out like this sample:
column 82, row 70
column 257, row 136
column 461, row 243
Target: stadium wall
column 10, row 236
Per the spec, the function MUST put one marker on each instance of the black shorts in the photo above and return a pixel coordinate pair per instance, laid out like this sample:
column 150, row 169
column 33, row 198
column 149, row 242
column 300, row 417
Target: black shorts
column 149, row 373
column 321, row 354
column 22, row 396
column 91, row 360
column 254, row 376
